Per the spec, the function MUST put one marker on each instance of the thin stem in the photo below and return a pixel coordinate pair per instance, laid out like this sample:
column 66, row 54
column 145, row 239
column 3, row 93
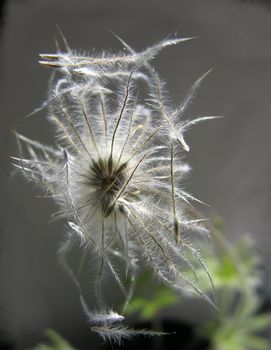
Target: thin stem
column 126, row 96
column 144, row 143
column 99, row 281
column 104, row 117
column 115, row 232
column 176, row 222
column 20, row 151
column 88, row 124
column 66, row 133
column 127, row 137
column 66, row 114
column 125, row 185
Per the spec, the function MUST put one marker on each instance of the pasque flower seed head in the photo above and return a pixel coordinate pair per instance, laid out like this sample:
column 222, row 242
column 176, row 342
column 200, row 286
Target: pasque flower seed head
column 117, row 172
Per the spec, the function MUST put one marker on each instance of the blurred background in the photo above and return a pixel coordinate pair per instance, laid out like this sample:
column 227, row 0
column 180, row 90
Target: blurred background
column 230, row 157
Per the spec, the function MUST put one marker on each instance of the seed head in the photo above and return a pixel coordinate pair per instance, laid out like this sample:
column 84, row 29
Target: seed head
column 117, row 173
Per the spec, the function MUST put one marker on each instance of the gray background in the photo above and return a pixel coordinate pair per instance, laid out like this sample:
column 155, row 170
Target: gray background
column 230, row 157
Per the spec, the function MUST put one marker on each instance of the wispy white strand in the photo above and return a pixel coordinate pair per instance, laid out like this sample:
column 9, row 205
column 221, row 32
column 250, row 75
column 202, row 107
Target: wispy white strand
column 113, row 177
column 117, row 334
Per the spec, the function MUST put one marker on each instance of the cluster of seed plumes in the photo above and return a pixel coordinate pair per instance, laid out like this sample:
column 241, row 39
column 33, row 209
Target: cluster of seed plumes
column 116, row 173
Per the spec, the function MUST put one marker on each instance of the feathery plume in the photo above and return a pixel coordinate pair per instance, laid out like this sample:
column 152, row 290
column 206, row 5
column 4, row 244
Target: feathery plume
column 116, row 174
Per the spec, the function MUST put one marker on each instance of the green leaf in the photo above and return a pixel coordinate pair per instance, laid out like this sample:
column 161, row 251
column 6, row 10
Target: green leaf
column 257, row 343
column 257, row 323
column 149, row 307
column 58, row 343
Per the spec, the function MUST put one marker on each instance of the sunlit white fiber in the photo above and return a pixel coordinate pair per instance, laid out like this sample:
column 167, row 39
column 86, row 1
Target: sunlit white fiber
column 117, row 173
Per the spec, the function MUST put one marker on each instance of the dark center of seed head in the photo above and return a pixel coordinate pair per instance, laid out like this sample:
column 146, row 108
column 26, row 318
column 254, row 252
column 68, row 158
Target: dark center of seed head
column 108, row 179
